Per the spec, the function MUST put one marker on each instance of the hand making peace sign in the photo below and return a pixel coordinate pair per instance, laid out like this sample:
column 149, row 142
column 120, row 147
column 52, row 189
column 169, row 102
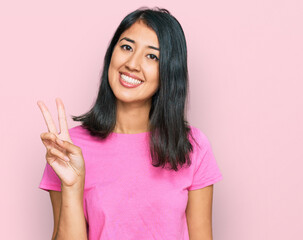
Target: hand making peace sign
column 63, row 156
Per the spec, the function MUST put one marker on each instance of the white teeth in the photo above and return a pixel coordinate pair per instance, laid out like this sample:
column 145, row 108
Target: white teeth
column 129, row 79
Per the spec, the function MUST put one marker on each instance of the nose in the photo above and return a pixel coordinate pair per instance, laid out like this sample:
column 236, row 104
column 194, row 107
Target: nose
column 134, row 62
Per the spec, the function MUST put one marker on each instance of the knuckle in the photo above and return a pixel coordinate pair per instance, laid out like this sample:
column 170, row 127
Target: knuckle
column 52, row 136
column 42, row 135
column 79, row 149
column 45, row 136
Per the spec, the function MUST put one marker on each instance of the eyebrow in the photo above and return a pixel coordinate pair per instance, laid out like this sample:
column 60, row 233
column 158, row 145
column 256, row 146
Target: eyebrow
column 133, row 41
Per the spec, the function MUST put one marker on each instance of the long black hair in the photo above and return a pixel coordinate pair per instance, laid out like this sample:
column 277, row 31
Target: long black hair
column 169, row 130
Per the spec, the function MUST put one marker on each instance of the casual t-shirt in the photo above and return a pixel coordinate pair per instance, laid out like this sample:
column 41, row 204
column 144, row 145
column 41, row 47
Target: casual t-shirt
column 125, row 197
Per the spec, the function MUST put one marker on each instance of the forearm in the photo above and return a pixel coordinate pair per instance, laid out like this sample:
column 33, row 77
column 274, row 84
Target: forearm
column 72, row 224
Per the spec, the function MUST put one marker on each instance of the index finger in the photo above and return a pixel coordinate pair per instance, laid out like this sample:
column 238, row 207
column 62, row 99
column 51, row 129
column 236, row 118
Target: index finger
column 62, row 117
column 48, row 118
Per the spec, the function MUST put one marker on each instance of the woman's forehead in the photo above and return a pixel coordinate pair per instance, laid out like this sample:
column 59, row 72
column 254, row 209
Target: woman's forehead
column 140, row 33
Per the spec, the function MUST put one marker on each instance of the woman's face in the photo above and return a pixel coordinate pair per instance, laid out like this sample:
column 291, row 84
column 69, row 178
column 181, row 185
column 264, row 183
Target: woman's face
column 133, row 72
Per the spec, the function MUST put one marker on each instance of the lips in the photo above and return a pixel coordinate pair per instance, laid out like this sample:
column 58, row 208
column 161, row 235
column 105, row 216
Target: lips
column 132, row 76
column 128, row 84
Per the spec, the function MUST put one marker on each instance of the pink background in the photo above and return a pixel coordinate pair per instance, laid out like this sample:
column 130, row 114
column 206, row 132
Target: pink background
column 245, row 67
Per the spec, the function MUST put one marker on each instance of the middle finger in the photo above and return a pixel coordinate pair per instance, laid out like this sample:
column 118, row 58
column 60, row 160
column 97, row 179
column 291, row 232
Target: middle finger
column 48, row 118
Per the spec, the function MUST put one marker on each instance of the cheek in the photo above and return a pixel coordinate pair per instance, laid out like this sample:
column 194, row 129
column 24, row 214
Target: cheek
column 155, row 75
column 113, row 66
column 152, row 73
column 117, row 58
column 113, row 61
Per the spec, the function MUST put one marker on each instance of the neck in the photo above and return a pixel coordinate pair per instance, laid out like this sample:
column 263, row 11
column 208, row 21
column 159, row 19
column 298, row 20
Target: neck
column 132, row 118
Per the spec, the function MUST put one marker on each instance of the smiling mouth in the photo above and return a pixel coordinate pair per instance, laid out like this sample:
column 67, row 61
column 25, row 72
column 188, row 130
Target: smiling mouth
column 130, row 80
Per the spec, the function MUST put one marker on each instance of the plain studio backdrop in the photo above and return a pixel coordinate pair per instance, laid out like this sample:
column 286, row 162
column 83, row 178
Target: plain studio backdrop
column 246, row 71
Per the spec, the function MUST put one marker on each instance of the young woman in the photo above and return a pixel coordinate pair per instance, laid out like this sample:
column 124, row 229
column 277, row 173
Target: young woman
column 134, row 168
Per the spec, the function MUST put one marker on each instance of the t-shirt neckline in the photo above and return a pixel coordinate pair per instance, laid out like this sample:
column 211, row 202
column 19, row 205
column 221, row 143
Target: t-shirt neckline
column 129, row 134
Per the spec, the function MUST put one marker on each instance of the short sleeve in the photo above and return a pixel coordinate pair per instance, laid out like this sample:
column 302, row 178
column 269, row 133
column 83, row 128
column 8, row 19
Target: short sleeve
column 207, row 171
column 50, row 180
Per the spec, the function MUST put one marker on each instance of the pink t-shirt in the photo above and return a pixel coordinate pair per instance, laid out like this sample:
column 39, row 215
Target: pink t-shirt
column 125, row 197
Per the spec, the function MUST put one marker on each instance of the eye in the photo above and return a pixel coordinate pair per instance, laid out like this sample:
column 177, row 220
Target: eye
column 126, row 47
column 152, row 56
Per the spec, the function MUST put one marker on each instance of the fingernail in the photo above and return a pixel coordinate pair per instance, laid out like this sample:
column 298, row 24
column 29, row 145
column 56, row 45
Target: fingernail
column 66, row 158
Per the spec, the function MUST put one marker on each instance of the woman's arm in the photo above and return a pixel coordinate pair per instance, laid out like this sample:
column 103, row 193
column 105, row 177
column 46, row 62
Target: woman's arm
column 199, row 213
column 66, row 159
column 71, row 223
column 55, row 197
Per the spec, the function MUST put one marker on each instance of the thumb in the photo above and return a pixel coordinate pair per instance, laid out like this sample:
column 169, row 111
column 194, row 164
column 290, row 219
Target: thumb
column 69, row 147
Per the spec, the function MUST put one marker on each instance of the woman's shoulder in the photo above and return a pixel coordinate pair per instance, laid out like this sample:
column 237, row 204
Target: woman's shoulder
column 80, row 133
column 199, row 136
column 77, row 130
